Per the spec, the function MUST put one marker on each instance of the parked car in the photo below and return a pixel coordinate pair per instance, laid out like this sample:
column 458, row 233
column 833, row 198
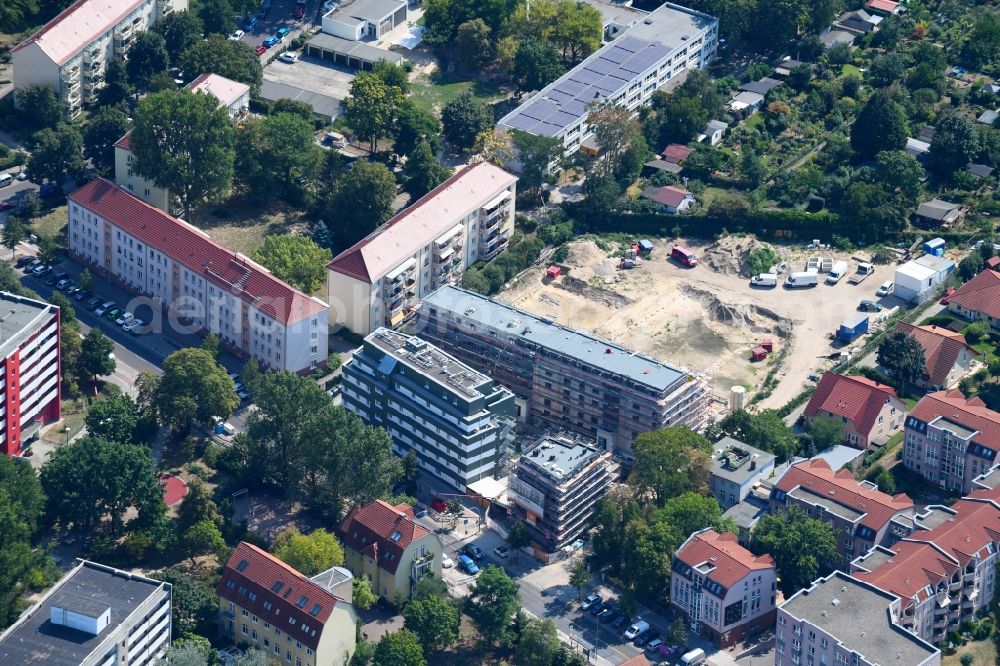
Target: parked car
column 447, row 562
column 590, row 601
column 24, row 260
column 290, row 58
column 113, row 314
column 502, row 552
column 103, row 308
column 636, row 628
column 124, row 318
column 620, row 621
column 466, row 564
column 598, row 607
column 82, row 295
column 644, row 637
column 947, row 297
column 56, row 278
column 66, row 285
column 607, row 610
column 869, row 306
column 885, row 288
column 654, row 645
column 271, row 41
column 260, row 50
column 238, row 34
column 93, row 302
column 40, row 270
column 474, row 551
column 249, row 26
column 282, row 33
column 610, row 617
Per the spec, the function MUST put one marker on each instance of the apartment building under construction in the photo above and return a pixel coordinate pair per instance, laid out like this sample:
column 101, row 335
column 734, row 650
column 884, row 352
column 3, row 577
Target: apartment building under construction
column 562, row 377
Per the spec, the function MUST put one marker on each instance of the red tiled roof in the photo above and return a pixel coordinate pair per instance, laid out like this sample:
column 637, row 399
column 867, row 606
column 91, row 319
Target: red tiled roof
column 974, row 527
column 941, row 348
column 676, row 153
column 125, row 142
column 370, row 529
column 913, row 572
column 669, row 195
column 859, row 399
column 883, row 5
column 971, row 413
column 816, row 476
column 193, row 248
column 993, row 263
column 980, row 294
column 253, row 576
column 732, row 561
column 637, row 660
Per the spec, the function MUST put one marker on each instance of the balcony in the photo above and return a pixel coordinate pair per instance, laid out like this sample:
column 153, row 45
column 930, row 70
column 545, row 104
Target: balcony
column 70, row 74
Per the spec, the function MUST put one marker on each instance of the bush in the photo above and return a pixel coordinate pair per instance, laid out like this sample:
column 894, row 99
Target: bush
column 976, row 331
column 762, row 258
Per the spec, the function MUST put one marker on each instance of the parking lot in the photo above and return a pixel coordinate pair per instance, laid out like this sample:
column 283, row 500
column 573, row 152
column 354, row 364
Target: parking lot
column 312, row 74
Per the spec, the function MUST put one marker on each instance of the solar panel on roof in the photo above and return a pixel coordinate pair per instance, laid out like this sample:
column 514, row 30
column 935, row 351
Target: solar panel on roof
column 601, row 66
column 632, row 44
column 520, row 122
column 543, row 109
column 609, row 85
column 563, row 119
column 615, row 54
column 648, row 57
column 585, row 77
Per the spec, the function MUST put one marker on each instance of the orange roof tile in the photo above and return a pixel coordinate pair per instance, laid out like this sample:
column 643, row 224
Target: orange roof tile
column 856, row 398
column 941, row 348
column 382, row 530
column 731, row 561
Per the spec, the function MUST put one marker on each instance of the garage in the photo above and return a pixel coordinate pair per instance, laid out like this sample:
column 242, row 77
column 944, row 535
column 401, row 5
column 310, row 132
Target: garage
column 354, row 55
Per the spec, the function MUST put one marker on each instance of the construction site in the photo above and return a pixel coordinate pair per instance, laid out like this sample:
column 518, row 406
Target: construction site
column 707, row 318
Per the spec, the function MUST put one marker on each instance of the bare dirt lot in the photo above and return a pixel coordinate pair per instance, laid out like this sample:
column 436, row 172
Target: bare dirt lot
column 706, row 318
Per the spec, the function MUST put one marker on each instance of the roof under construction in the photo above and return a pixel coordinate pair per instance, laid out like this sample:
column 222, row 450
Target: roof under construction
column 430, row 362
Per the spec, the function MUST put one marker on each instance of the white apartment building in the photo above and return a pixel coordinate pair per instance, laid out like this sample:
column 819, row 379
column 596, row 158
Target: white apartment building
column 232, row 95
column 725, row 591
column 648, row 55
column 196, row 281
column 842, row 621
column 382, row 278
column 95, row 616
column 70, row 52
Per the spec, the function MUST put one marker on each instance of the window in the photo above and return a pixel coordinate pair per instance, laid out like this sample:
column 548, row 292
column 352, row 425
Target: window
column 245, row 630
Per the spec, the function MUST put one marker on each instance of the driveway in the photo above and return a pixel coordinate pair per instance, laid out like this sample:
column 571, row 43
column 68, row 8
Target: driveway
column 312, row 74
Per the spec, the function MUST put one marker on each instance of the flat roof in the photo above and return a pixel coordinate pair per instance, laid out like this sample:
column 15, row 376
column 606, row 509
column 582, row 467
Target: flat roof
column 559, row 456
column 936, row 264
column 359, row 50
column 78, row 26
column 322, row 104
column 831, row 505
column 607, row 71
column 746, row 513
column 916, row 271
column 616, row 13
column 34, row 639
column 369, row 10
column 19, row 318
column 733, row 463
column 603, row 355
column 857, row 615
column 990, row 479
column 429, row 361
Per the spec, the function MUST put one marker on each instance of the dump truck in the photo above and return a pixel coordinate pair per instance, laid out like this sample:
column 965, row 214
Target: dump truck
column 864, row 270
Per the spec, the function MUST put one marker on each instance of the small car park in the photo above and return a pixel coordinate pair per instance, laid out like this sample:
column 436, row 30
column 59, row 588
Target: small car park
column 590, row 601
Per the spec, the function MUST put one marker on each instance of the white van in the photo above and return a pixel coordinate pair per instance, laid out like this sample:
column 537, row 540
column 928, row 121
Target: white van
column 837, row 271
column 885, row 288
column 636, row 629
column 807, row 279
column 693, row 658
column 6, row 179
column 764, row 280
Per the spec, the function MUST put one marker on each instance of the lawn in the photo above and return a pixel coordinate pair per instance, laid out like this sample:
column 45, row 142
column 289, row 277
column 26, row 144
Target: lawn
column 240, row 226
column 431, row 92
column 850, row 69
column 51, row 224
column 983, row 652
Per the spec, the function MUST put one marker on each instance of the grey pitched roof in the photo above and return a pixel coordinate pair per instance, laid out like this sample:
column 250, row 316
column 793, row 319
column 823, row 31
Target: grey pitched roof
column 763, row 86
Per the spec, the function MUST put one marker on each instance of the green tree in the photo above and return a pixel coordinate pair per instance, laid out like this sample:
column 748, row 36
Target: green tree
column 472, row 43
column 669, row 462
column 764, row 430
column 30, row 206
column 114, row 418
column 105, row 128
column 430, row 586
column 309, row 554
column 96, row 359
column 362, row 595
column 22, row 503
column 371, row 106
column 535, row 153
column 518, row 537
column 297, row 260
column 12, row 233
column 886, row 482
column 399, row 648
column 423, row 172
column 886, row 69
column 971, row 266
column 902, row 356
column 491, row 603
column 184, row 142
column 217, row 17
column 116, row 90
column 67, row 315
column 180, row 31
column 40, row 107
column 536, row 65
column 614, row 131
column 434, row 621
column 57, row 155
column 274, row 153
column 198, row 506
column 361, row 201
column 201, row 539
column 802, row 547
column 92, row 479
column 219, row 55
column 900, row 172
column 579, row 575
column 954, row 145
column 690, row 512
column 826, row 431
column 194, row 387
column 880, row 125
column 983, row 45
column 538, row 644
column 49, row 252
column 574, row 28
column 15, row 12
column 414, row 125
column 147, row 56
column 464, row 118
